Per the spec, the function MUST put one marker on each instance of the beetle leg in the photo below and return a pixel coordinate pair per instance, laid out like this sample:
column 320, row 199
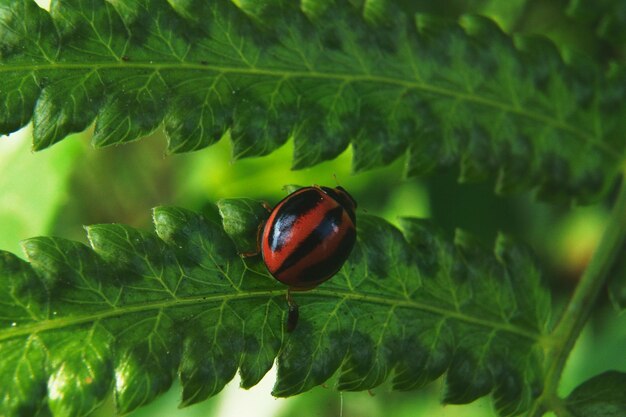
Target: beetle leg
column 293, row 314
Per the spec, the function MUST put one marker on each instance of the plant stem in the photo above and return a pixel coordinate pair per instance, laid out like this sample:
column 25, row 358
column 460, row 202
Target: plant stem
column 583, row 300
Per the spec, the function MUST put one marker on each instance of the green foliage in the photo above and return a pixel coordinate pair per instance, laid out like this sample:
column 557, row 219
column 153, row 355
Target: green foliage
column 601, row 396
column 617, row 291
column 136, row 309
column 327, row 74
column 607, row 16
column 617, row 284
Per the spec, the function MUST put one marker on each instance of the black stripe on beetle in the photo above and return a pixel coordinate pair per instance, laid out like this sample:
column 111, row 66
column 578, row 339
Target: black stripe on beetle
column 295, row 207
column 329, row 225
column 342, row 197
column 330, row 266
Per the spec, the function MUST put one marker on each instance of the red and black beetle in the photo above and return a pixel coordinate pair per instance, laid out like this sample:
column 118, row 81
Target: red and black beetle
column 307, row 238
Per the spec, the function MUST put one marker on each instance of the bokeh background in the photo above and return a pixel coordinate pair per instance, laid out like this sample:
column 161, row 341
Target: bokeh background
column 56, row 191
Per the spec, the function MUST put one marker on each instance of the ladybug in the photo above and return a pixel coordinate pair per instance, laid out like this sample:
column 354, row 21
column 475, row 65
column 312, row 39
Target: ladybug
column 307, row 238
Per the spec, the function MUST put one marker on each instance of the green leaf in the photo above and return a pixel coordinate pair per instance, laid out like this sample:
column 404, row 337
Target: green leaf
column 327, row 74
column 137, row 309
column 240, row 216
column 617, row 283
column 607, row 16
column 600, row 396
column 617, row 291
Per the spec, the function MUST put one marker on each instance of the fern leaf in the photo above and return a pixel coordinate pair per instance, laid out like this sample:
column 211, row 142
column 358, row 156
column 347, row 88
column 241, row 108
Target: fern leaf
column 600, row 396
column 328, row 75
column 607, row 17
column 136, row 309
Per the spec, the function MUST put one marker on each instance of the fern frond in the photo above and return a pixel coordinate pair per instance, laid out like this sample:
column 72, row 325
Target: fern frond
column 607, row 17
column 327, row 74
column 136, row 309
column 600, row 396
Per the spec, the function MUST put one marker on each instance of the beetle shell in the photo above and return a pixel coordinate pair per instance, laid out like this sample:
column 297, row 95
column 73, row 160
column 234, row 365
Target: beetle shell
column 309, row 235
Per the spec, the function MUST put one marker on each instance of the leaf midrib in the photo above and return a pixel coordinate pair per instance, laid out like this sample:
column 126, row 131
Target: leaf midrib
column 343, row 77
column 59, row 323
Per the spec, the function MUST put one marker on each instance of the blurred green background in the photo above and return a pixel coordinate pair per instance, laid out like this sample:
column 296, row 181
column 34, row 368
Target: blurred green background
column 56, row 191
